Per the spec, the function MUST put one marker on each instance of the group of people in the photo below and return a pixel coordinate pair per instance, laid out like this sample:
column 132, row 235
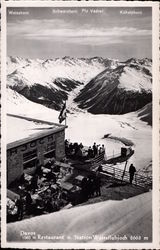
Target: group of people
column 51, row 200
column 54, row 197
column 27, row 205
column 73, row 148
column 95, row 150
column 51, row 175
column 23, row 204
column 77, row 150
column 91, row 186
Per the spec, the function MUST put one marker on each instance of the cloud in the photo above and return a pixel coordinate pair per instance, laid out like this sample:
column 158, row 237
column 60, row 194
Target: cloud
column 34, row 26
column 69, row 32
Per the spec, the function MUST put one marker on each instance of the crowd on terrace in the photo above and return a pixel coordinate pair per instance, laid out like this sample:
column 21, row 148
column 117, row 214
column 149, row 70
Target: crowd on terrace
column 79, row 151
column 43, row 191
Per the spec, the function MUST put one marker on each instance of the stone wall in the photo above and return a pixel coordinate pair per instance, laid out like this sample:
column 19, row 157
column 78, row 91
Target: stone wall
column 60, row 145
column 17, row 157
column 14, row 165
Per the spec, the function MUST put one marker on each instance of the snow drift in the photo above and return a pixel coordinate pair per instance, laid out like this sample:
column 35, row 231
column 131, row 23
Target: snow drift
column 99, row 222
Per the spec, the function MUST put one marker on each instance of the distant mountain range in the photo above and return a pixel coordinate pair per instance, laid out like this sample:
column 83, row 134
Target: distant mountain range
column 108, row 86
column 49, row 81
column 126, row 88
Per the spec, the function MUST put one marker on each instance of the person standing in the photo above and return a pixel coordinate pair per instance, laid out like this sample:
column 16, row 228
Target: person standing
column 34, row 182
column 90, row 153
column 100, row 151
column 19, row 204
column 95, row 149
column 84, row 188
column 132, row 171
column 90, row 186
column 28, row 202
column 97, row 183
column 103, row 149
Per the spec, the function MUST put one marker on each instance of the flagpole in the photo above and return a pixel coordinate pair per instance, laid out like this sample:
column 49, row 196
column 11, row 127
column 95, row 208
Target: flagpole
column 66, row 121
column 65, row 115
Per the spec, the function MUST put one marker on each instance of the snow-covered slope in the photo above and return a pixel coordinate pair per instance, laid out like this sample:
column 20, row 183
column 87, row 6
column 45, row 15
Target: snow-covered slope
column 42, row 71
column 88, row 128
column 46, row 71
column 145, row 114
column 108, row 86
column 49, row 81
column 126, row 88
column 101, row 222
column 19, row 105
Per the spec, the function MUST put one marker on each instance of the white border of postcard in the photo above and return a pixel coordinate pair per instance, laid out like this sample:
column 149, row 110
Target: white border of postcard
column 155, row 202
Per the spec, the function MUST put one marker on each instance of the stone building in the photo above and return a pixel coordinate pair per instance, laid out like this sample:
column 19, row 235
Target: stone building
column 31, row 142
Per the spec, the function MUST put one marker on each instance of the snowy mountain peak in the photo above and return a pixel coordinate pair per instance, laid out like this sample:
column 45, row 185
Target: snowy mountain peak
column 52, row 78
column 144, row 61
column 107, row 85
column 119, row 90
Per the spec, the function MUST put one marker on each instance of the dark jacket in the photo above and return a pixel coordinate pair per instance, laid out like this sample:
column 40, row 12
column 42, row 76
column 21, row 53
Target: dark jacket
column 132, row 169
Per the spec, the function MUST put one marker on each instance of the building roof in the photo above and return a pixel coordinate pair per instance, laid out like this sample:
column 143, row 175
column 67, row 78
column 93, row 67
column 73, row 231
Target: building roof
column 22, row 129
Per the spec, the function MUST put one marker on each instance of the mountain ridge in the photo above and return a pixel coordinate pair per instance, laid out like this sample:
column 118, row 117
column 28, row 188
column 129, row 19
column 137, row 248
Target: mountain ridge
column 56, row 78
column 124, row 89
column 51, row 81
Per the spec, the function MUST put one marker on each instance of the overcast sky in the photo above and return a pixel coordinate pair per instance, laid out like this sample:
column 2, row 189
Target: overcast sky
column 119, row 33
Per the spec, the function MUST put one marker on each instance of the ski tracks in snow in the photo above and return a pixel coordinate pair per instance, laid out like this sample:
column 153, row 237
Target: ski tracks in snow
column 72, row 106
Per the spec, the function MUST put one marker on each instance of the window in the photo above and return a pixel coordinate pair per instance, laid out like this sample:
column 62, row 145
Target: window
column 30, row 164
column 30, row 155
column 50, row 147
column 51, row 154
column 50, row 150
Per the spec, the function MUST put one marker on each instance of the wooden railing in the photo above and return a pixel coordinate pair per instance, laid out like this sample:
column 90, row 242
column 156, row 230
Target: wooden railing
column 109, row 170
column 120, row 157
column 98, row 159
column 109, row 157
column 119, row 174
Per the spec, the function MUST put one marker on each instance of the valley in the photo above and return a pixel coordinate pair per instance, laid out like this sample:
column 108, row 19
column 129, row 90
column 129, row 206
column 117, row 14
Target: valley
column 96, row 85
column 96, row 98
